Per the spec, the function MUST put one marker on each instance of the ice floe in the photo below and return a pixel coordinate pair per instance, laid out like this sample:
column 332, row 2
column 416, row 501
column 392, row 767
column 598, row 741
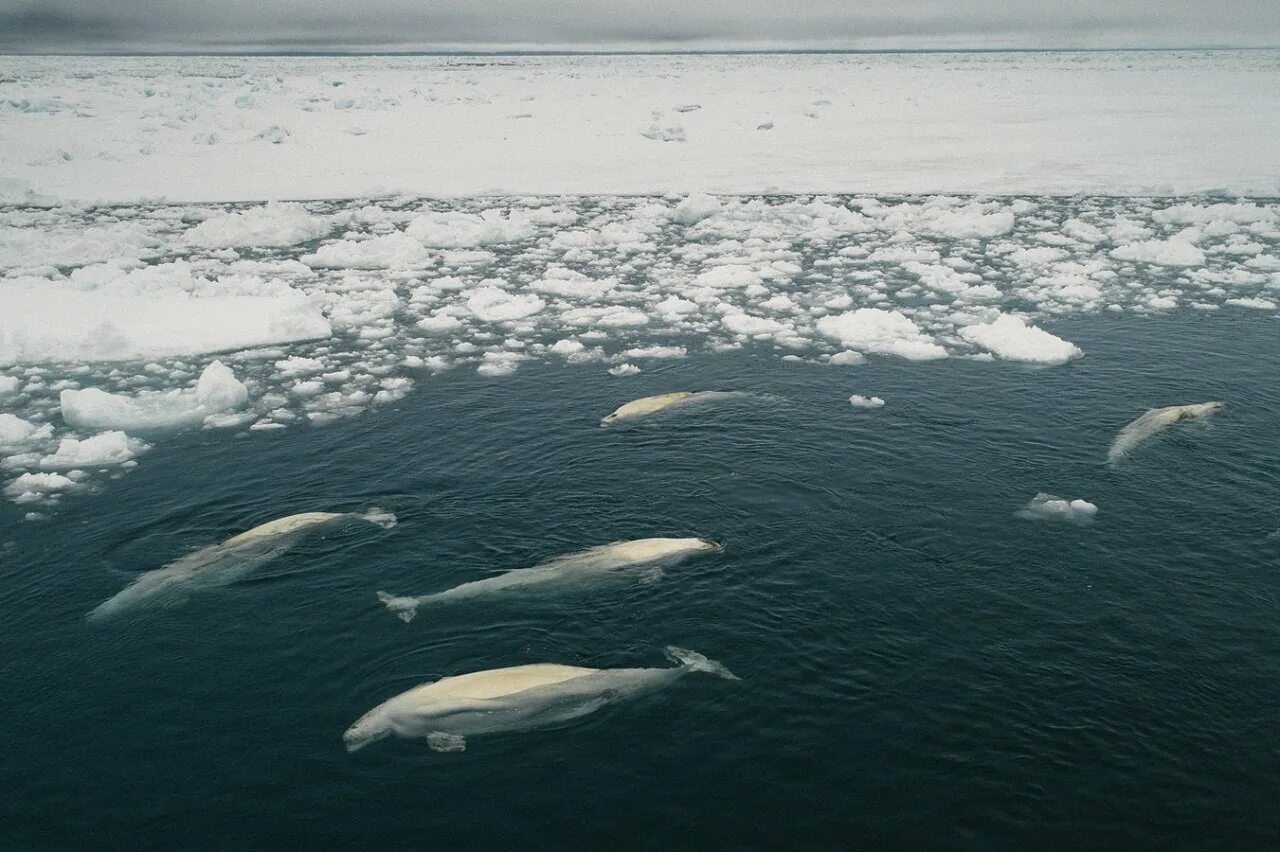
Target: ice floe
column 881, row 331
column 216, row 391
column 1009, row 337
column 270, row 225
column 108, row 449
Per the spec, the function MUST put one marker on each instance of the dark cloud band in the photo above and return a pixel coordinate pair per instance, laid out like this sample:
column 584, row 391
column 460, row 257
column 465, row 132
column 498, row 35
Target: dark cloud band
column 71, row 25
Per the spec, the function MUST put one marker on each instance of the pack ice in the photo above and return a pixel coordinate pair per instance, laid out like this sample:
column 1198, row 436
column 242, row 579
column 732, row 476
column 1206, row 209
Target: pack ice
column 113, row 316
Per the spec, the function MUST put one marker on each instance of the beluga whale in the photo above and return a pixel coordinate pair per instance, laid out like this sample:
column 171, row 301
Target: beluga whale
column 1152, row 422
column 648, row 405
column 649, row 555
column 447, row 711
column 223, row 563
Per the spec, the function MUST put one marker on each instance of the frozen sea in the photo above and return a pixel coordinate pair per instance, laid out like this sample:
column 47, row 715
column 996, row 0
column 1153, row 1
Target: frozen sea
column 207, row 324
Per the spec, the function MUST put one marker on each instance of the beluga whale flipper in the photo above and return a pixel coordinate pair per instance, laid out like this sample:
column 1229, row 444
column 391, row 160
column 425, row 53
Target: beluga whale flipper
column 521, row 698
column 647, row 405
column 221, row 564
column 592, row 563
column 1152, row 422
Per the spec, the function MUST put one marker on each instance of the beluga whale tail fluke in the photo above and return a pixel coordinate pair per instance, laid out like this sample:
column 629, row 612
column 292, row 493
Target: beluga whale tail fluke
column 401, row 606
column 1154, row 421
column 649, row 555
column 223, row 563
column 520, row 698
column 697, row 663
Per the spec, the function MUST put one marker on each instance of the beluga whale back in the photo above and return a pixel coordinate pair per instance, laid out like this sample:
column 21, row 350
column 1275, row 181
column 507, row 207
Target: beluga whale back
column 594, row 562
column 223, row 563
column 648, row 405
column 1154, row 421
column 447, row 711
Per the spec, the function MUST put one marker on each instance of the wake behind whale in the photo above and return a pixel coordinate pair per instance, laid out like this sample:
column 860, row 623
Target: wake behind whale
column 520, row 698
column 223, row 563
column 585, row 564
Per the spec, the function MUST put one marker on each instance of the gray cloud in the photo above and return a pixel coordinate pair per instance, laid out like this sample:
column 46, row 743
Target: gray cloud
column 71, row 25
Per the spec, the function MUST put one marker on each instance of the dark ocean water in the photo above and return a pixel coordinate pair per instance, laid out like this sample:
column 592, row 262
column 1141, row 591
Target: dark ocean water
column 920, row 669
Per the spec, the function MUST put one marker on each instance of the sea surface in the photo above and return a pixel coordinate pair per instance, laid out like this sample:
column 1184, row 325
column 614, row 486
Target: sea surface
column 920, row 668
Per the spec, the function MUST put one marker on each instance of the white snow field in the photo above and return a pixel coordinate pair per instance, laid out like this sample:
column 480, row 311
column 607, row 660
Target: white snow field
column 259, row 128
column 121, row 322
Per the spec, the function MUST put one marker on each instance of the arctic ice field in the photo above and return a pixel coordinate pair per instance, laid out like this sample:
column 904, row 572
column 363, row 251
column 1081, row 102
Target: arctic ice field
column 266, row 244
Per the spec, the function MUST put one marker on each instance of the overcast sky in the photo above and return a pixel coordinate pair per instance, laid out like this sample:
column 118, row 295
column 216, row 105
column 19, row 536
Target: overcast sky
column 163, row 25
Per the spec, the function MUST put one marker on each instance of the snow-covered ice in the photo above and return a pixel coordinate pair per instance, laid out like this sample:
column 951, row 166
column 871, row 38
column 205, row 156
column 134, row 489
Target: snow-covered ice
column 108, row 449
column 293, row 128
column 127, row 310
column 1009, row 337
column 216, row 391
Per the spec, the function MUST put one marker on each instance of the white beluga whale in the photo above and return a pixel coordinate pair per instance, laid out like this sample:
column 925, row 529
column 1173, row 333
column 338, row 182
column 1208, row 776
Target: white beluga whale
column 647, row 553
column 521, row 698
column 648, row 405
column 223, row 563
column 1152, row 422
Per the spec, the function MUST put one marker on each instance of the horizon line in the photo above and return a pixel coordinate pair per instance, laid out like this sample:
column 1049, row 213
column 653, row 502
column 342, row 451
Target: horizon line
column 534, row 51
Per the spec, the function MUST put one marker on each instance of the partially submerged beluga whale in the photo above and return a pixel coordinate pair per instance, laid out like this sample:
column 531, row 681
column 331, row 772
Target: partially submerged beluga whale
column 447, row 711
column 648, row 554
column 1152, row 422
column 648, row 405
column 221, row 564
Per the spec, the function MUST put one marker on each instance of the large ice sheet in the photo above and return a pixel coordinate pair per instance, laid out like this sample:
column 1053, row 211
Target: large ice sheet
column 106, row 314
column 238, row 128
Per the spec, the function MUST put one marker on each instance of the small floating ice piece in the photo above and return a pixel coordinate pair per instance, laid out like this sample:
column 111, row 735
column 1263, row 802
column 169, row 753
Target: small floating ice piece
column 32, row 487
column 1152, row 422
column 14, row 431
column 860, row 401
column 1048, row 507
column 107, row 449
column 519, row 698
column 695, row 208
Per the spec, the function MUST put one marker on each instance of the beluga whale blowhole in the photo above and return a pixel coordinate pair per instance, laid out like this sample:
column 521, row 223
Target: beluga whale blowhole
column 1154, row 421
column 520, row 698
column 649, row 555
column 223, row 563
